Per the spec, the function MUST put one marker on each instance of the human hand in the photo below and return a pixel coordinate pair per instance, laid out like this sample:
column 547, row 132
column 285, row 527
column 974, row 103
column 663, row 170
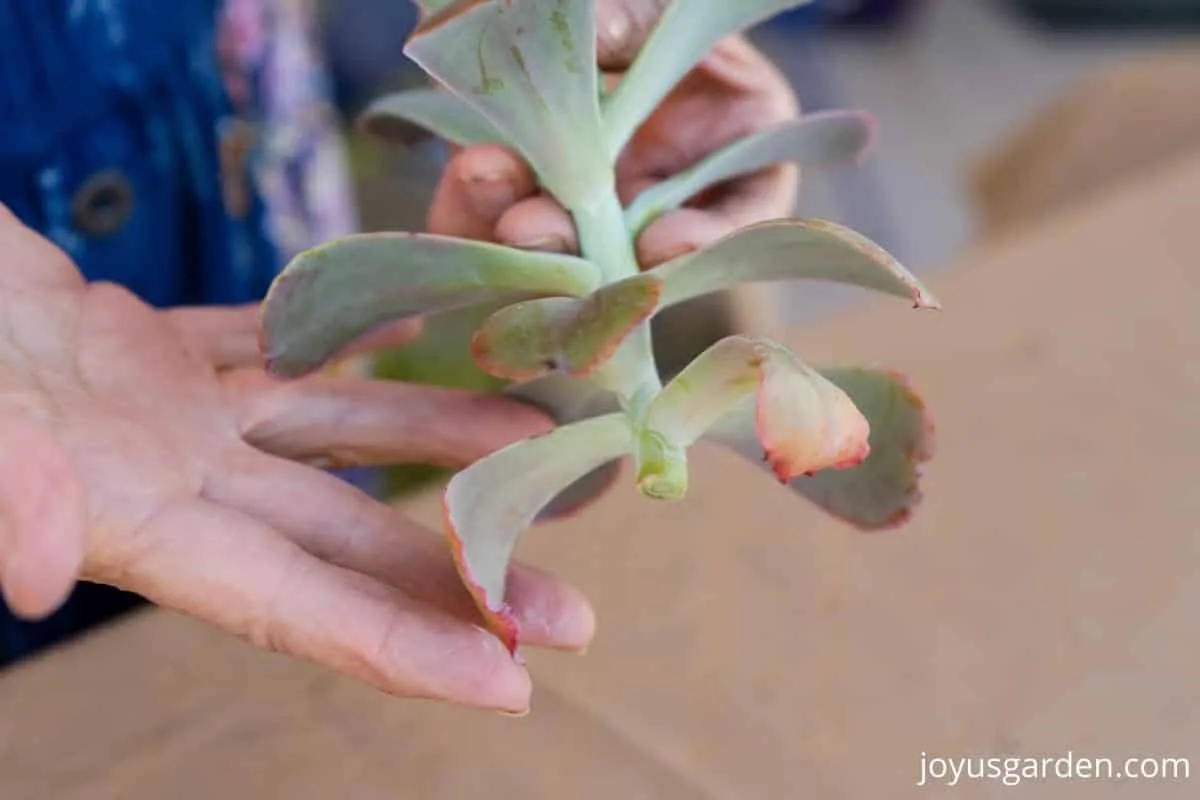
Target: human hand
column 487, row 192
column 147, row 450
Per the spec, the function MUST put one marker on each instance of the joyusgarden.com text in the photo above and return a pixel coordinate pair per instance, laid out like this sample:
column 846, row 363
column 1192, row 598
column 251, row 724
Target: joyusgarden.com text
column 1014, row 770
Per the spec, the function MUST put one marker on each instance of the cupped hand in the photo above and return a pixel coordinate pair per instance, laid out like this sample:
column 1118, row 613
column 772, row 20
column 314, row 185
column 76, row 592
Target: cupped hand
column 488, row 192
column 147, row 450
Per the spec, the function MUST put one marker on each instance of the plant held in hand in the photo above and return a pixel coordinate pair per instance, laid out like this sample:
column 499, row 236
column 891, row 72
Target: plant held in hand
column 573, row 333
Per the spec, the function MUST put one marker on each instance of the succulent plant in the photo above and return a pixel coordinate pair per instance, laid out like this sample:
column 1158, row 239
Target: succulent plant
column 572, row 333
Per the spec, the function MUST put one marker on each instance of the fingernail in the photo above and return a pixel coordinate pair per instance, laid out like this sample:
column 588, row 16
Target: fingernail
column 616, row 29
column 550, row 244
column 485, row 176
column 490, row 193
column 515, row 714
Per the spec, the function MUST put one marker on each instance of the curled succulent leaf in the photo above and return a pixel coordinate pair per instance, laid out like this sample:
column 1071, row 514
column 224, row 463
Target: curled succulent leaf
column 566, row 400
column 803, row 422
column 884, row 489
column 564, row 334
column 489, row 504
column 332, row 295
column 529, row 66
column 686, row 32
column 824, row 138
column 786, row 250
column 396, row 118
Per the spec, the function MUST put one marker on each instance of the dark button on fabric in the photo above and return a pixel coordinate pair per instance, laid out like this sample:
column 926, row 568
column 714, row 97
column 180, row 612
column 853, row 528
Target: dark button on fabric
column 103, row 204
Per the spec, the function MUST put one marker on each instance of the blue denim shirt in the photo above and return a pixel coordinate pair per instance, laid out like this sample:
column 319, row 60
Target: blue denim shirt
column 117, row 141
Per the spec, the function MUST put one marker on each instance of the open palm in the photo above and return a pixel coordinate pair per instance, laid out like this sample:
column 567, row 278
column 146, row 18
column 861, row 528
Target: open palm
column 147, row 450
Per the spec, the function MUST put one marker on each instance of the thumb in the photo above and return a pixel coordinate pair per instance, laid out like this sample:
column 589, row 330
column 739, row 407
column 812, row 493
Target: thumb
column 42, row 515
column 621, row 29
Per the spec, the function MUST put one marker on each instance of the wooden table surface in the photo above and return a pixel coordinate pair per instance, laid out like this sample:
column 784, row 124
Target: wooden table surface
column 1045, row 600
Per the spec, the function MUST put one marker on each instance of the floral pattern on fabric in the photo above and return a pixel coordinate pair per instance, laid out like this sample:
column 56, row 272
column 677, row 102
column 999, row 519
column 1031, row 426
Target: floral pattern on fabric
column 286, row 138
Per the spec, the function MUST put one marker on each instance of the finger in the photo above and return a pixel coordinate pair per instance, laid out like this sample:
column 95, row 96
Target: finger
column 767, row 195
column 678, row 233
column 362, row 422
column 392, row 334
column 734, row 92
column 237, row 573
column 477, row 187
column 538, row 223
column 342, row 525
column 228, row 337
column 221, row 336
column 42, row 518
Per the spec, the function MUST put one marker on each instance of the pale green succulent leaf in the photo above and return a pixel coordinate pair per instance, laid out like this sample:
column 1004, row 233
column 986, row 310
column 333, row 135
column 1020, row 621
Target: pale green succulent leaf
column 803, row 422
column 684, row 35
column 790, row 249
column 883, row 491
column 631, row 372
column 332, row 295
column 564, row 334
column 491, row 503
column 529, row 66
column 567, row 399
column 396, row 117
column 825, row 138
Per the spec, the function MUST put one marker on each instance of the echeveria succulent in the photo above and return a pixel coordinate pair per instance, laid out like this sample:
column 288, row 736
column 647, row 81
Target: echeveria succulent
column 573, row 333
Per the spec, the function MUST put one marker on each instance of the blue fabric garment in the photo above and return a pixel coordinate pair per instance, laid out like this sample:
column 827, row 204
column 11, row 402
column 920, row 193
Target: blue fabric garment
column 132, row 90
column 126, row 95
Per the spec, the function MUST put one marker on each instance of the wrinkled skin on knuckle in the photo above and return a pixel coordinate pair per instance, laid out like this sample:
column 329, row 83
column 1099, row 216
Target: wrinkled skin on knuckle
column 456, row 671
column 267, row 625
column 116, row 548
column 378, row 658
column 257, row 401
column 392, row 661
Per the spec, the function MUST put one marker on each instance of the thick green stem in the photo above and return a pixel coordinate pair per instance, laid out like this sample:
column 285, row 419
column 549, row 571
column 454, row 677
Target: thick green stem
column 605, row 240
column 631, row 373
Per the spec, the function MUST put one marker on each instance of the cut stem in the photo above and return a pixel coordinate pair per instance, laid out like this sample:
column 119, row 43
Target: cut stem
column 662, row 467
